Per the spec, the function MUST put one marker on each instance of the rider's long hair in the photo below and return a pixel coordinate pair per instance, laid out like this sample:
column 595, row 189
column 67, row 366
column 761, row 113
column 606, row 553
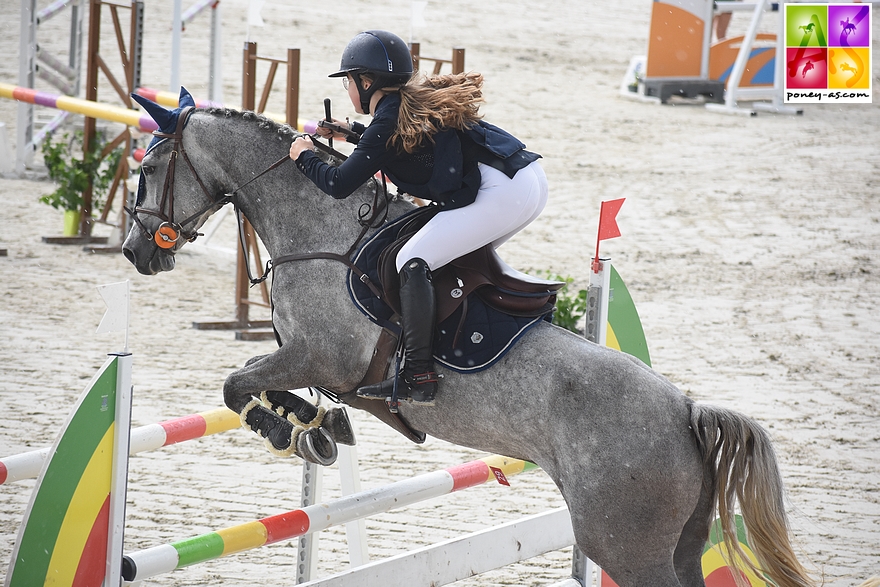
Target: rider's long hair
column 429, row 104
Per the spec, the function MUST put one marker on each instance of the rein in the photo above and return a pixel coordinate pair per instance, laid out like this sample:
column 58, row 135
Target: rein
column 169, row 232
column 379, row 210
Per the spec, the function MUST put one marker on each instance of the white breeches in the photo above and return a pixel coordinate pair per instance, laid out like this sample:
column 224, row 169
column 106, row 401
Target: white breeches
column 503, row 207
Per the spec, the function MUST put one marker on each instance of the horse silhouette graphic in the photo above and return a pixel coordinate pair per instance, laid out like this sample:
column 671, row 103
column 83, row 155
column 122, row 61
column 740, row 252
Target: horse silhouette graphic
column 847, row 26
column 808, row 67
column 807, row 28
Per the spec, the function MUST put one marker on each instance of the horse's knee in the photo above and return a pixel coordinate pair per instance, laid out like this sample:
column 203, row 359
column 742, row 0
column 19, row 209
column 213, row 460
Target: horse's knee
column 233, row 396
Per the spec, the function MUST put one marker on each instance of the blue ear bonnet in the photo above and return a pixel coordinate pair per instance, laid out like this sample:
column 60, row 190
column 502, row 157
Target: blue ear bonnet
column 167, row 121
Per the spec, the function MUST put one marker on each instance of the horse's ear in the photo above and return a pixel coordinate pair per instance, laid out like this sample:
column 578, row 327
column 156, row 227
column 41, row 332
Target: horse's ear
column 166, row 119
column 185, row 99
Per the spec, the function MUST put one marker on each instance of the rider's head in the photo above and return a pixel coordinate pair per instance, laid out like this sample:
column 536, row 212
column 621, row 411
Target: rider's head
column 380, row 58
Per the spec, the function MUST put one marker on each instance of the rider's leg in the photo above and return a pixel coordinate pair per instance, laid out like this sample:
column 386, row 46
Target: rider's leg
column 418, row 380
column 503, row 207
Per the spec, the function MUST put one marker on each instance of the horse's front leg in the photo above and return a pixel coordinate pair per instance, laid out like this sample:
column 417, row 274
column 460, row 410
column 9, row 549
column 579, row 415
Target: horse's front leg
column 288, row 423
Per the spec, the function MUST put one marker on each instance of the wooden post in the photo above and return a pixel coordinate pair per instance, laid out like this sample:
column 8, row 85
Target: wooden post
column 415, row 50
column 457, row 61
column 293, row 88
column 249, row 76
column 247, row 329
column 89, row 130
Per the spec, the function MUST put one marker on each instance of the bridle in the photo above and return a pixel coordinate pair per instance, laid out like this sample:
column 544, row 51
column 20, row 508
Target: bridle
column 168, row 234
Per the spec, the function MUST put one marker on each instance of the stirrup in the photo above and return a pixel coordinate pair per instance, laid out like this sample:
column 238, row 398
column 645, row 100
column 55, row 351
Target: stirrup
column 419, row 389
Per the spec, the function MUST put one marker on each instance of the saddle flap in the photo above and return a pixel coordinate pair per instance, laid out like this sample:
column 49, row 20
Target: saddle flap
column 486, row 262
column 517, row 305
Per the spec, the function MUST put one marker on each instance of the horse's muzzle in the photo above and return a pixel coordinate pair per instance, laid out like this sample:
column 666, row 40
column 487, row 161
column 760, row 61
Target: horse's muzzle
column 147, row 258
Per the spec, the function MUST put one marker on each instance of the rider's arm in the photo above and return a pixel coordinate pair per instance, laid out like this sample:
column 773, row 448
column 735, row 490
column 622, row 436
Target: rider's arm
column 370, row 155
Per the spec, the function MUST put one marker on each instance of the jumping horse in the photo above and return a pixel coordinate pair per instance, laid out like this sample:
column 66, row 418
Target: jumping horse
column 641, row 466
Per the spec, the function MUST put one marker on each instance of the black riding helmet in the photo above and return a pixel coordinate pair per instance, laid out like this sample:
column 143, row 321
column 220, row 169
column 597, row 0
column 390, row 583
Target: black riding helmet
column 382, row 54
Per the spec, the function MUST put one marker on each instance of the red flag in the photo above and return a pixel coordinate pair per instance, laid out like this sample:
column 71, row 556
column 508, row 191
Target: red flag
column 608, row 219
column 607, row 226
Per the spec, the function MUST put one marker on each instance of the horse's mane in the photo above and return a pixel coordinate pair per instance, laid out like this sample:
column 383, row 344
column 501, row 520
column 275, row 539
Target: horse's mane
column 277, row 130
column 264, row 123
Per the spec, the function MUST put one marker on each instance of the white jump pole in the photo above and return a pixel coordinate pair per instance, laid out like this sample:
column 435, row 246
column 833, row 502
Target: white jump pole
column 27, row 465
column 27, row 49
column 466, row 556
column 165, row 558
column 176, row 31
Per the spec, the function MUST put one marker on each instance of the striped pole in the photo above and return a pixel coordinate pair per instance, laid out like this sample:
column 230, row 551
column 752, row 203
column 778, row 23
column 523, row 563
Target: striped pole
column 134, row 118
column 170, row 100
column 165, row 558
column 76, row 105
column 150, row 437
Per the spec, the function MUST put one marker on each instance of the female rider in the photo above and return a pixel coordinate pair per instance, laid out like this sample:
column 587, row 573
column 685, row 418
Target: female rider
column 427, row 136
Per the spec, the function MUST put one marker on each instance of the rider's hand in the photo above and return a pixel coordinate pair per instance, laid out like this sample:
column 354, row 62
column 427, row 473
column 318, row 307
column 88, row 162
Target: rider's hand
column 326, row 133
column 303, row 143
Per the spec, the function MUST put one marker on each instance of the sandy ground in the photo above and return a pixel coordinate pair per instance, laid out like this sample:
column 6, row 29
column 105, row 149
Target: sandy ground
column 750, row 246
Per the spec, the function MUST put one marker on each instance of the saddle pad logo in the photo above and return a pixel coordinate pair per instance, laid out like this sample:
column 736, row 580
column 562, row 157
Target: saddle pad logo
column 828, row 53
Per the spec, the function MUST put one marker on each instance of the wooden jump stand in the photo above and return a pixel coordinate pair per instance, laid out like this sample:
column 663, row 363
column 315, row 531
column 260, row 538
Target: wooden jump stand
column 130, row 59
column 244, row 327
column 682, row 61
column 457, row 61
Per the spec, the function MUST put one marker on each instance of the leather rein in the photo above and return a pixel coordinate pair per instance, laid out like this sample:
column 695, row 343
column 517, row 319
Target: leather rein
column 169, row 232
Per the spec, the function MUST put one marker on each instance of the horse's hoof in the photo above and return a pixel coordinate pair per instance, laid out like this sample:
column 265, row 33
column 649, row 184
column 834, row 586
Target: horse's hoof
column 316, row 446
column 338, row 426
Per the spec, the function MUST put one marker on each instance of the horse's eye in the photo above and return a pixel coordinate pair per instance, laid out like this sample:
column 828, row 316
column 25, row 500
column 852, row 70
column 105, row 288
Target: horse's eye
column 148, row 169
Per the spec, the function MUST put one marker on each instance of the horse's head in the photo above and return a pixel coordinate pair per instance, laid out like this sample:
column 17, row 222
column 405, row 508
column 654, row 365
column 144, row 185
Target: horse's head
column 172, row 199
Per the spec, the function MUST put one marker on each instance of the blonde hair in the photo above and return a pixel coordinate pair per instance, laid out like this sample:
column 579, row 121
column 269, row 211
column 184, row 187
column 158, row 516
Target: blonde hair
column 429, row 104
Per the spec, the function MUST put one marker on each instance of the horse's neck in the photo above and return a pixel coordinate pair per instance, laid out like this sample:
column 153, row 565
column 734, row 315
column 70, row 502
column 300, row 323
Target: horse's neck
column 293, row 216
column 289, row 213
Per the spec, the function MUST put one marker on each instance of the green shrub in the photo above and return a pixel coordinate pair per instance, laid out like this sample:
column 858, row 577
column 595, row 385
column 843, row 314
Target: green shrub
column 570, row 305
column 71, row 170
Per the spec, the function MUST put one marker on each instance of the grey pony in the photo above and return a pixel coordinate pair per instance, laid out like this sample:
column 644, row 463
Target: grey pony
column 642, row 468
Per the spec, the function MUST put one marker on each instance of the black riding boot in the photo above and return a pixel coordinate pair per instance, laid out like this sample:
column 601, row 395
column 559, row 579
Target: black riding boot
column 418, row 381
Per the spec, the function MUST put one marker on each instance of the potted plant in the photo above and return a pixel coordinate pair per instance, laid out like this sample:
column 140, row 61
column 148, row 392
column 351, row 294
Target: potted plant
column 71, row 169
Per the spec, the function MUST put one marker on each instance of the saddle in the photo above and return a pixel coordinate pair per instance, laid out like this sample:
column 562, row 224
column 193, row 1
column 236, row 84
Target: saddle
column 482, row 272
column 478, row 295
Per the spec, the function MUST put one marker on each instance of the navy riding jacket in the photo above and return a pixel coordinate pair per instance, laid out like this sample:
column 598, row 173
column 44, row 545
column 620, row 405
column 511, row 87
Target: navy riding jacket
column 444, row 171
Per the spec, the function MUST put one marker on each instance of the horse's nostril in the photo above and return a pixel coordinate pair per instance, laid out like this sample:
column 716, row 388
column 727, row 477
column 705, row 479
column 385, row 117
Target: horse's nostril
column 129, row 254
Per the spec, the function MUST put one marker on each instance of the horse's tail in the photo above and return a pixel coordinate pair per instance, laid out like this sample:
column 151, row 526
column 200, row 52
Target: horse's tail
column 740, row 465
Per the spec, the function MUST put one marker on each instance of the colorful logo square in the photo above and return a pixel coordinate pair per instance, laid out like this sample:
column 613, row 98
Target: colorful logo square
column 849, row 26
column 806, row 25
column 848, row 68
